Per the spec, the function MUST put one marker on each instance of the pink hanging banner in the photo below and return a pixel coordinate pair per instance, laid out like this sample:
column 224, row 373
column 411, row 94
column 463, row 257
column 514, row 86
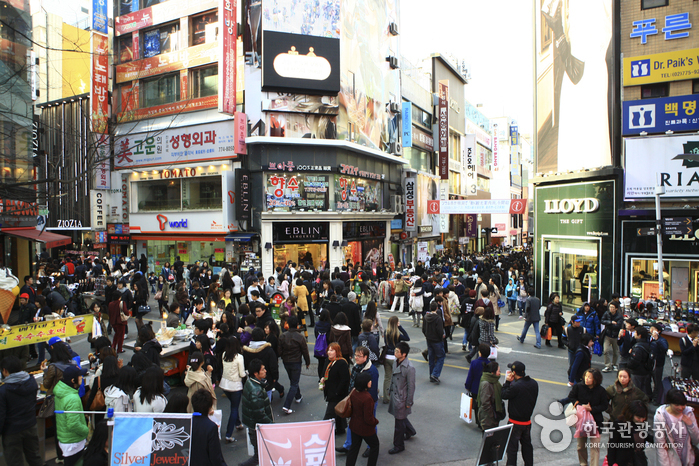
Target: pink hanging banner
column 296, row 443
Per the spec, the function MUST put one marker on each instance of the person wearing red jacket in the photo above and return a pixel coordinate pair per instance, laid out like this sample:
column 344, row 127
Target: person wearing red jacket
column 116, row 307
column 363, row 422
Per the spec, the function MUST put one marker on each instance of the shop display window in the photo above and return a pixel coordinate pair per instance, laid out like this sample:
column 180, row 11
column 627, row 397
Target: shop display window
column 204, row 81
column 205, row 28
column 160, row 252
column 158, row 195
column 367, row 252
column 160, row 90
column 315, row 253
column 295, row 191
column 680, row 279
column 571, row 270
column 202, row 193
column 163, row 39
column 357, row 194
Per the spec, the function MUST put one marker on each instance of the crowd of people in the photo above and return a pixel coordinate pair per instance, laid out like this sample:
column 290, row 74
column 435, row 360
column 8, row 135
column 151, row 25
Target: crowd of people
column 243, row 352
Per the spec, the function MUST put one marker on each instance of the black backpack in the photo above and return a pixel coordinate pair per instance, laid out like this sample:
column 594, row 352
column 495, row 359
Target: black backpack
column 649, row 361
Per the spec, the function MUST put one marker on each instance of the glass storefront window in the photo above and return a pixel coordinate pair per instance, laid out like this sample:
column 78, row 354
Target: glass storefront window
column 158, row 195
column 354, row 194
column 202, row 193
column 162, row 39
column 160, row 90
column 315, row 253
column 160, row 252
column 294, row 191
column 200, row 35
column 125, row 49
column 571, row 267
column 204, row 81
column 680, row 279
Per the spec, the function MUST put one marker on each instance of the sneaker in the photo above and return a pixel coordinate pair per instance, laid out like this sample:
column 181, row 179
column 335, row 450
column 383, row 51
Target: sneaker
column 537, row 346
column 287, row 410
column 607, row 369
column 434, row 380
column 509, row 313
column 616, row 368
column 58, row 461
column 519, row 339
column 299, row 400
column 521, row 317
column 230, row 440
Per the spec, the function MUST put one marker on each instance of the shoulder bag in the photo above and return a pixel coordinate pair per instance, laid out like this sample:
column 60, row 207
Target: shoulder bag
column 344, row 407
column 47, row 407
column 123, row 314
column 98, row 403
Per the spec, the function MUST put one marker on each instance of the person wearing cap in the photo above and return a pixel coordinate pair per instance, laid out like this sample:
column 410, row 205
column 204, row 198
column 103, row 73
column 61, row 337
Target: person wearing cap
column 521, row 392
column 574, row 331
column 71, row 428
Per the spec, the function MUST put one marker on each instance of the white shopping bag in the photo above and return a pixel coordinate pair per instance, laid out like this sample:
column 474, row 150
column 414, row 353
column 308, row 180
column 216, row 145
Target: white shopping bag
column 217, row 417
column 466, row 411
column 493, row 352
column 251, row 449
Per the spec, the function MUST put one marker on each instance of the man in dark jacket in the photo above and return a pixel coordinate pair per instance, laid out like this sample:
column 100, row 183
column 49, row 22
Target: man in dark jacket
column 574, row 332
column 613, row 321
column 206, row 446
column 354, row 317
column 582, row 360
column 522, row 392
column 292, row 347
column 20, row 439
column 641, row 359
column 532, row 316
column 255, row 407
column 626, row 342
column 659, row 346
column 590, row 320
column 402, row 398
column 433, row 329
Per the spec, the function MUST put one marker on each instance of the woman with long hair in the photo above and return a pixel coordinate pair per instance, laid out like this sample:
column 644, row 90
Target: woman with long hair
column 119, row 396
column 197, row 377
column 416, row 293
column 335, row 384
column 372, row 313
column 321, row 330
column 140, row 298
column 394, row 333
column 163, row 288
column 628, row 435
column 97, row 451
column 272, row 335
column 150, row 397
column 340, row 333
column 232, row 383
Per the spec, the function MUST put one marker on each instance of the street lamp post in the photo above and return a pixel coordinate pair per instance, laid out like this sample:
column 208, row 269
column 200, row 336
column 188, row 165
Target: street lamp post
column 659, row 191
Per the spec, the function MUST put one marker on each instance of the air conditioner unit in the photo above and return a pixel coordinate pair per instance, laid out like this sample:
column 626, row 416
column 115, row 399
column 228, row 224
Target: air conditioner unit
column 394, row 107
column 393, row 29
column 395, row 148
column 393, row 61
column 397, row 204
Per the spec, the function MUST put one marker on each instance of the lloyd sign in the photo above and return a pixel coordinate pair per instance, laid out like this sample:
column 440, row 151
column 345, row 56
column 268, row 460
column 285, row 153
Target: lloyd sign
column 567, row 206
column 410, row 204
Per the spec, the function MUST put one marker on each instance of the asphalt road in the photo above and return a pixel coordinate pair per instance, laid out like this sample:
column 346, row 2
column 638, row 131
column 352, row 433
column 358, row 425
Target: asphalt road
column 442, row 438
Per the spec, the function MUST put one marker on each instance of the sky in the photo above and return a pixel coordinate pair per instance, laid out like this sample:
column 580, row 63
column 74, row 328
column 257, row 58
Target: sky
column 494, row 37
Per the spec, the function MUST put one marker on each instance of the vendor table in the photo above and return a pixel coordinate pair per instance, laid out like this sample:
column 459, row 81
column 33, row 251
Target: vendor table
column 673, row 340
column 177, row 350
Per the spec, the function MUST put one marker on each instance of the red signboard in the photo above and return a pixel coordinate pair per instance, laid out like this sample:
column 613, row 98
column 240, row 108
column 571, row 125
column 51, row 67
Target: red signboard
column 99, row 92
column 307, row 443
column 133, row 21
column 166, row 62
column 169, row 109
column 443, row 130
column 227, row 57
column 241, row 132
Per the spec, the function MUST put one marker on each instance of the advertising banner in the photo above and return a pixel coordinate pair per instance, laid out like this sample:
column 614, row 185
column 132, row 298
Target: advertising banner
column 287, row 192
column 422, row 253
column 407, row 124
column 243, row 207
column 496, row 148
column 471, row 225
column 661, row 67
column 660, row 115
column 99, row 93
column 443, row 197
column 99, row 16
column 159, row 13
column 228, row 55
column 469, row 165
column 98, row 210
column 102, row 164
column 478, row 206
column 167, row 109
column 482, row 135
column 185, row 144
column 354, row 194
column 241, row 133
column 422, row 139
column 443, row 130
column 649, row 161
column 151, row 439
column 410, row 203
column 296, row 443
column 573, row 62
column 37, row 332
column 190, row 57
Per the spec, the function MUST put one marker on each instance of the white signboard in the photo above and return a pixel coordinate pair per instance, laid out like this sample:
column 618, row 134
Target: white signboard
column 410, row 204
column 98, row 210
column 482, row 135
column 495, row 148
column 469, row 165
column 176, row 145
column 422, row 251
column 649, row 161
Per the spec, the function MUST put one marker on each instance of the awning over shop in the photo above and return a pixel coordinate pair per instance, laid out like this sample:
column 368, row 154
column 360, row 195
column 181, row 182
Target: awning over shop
column 240, row 237
column 51, row 240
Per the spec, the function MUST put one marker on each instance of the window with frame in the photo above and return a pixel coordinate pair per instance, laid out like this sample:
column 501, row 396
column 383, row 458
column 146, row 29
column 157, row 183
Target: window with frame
column 163, row 39
column 647, row 4
column 205, row 28
column 421, row 117
column 652, row 91
column 204, row 81
column 455, row 146
column 158, row 195
column 455, row 182
column 126, row 97
column 202, row 193
column 160, row 90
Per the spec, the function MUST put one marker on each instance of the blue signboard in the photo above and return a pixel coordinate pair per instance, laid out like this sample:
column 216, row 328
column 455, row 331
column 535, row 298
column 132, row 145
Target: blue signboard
column 397, row 224
column 514, row 135
column 661, row 115
column 99, row 16
column 407, row 124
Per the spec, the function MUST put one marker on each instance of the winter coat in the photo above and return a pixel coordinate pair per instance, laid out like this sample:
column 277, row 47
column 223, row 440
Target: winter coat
column 206, row 445
column 371, row 341
column 532, row 309
column 475, row 371
column 338, row 381
column 433, row 328
column 628, row 448
column 341, row 335
column 363, row 422
column 70, row 427
column 553, row 313
column 597, row 398
column 263, row 351
column 17, row 403
column 196, row 380
column 494, row 297
column 522, row 395
column 301, row 293
column 590, row 321
column 490, row 407
column 391, row 345
column 620, row 396
column 53, row 374
column 402, row 389
column 354, row 318
column 157, row 405
column 690, row 353
column 115, row 313
column 581, row 362
column 638, row 357
column 151, row 349
column 486, row 327
column 665, row 435
column 255, row 407
column 114, row 397
column 233, row 373
column 659, row 348
column 511, row 290
column 293, row 347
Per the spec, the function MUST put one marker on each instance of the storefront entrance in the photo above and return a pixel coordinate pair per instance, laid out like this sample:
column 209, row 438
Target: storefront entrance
column 365, row 243
column 301, row 243
column 572, row 269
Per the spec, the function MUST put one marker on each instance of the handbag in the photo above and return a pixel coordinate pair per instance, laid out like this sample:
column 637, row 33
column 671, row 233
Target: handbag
column 98, row 403
column 544, row 330
column 47, row 407
column 143, row 310
column 586, row 425
column 123, row 314
column 382, row 355
column 501, row 303
column 597, row 349
column 466, row 411
column 562, row 320
column 159, row 295
column 344, row 407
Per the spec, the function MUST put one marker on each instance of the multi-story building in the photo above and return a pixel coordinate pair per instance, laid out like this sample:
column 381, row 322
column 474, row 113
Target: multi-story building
column 506, row 181
column 660, row 77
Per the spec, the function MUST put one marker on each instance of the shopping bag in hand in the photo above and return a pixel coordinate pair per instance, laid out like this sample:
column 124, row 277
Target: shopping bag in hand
column 586, row 426
column 466, row 411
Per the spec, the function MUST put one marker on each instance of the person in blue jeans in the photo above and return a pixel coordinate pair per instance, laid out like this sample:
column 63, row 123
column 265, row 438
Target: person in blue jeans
column 293, row 347
column 521, row 292
column 532, row 317
column 433, row 329
column 232, row 383
column 511, row 293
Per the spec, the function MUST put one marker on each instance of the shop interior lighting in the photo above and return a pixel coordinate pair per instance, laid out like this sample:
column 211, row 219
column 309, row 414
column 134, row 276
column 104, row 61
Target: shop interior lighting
column 268, row 246
column 579, row 252
column 225, row 167
column 336, row 244
column 211, row 167
column 643, row 133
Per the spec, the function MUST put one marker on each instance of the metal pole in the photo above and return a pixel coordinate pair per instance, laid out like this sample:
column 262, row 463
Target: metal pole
column 659, row 190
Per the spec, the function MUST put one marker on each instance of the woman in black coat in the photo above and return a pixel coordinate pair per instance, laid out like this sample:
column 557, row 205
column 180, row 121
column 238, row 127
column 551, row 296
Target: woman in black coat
column 262, row 350
column 143, row 264
column 552, row 317
column 335, row 384
column 140, row 298
column 593, row 398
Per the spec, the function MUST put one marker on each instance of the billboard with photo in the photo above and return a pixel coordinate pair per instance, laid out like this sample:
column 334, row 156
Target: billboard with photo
column 574, row 84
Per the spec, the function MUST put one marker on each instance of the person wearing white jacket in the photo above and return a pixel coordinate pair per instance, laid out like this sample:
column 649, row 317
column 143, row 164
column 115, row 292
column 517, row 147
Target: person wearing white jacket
column 232, row 383
column 119, row 396
column 149, row 398
column 675, row 430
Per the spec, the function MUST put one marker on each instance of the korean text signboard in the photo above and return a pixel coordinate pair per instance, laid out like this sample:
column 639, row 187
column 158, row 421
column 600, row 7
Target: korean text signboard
column 469, row 164
column 302, row 443
column 407, row 124
column 37, row 332
column 676, row 27
column 485, row 206
column 661, row 67
column 410, row 203
column 443, row 130
column 297, row 191
column 660, row 115
column 227, row 56
column 98, row 96
column 99, row 16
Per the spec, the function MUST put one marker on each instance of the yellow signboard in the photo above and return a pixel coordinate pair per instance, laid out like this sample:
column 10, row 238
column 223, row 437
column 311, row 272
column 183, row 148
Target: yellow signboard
column 21, row 335
column 661, row 67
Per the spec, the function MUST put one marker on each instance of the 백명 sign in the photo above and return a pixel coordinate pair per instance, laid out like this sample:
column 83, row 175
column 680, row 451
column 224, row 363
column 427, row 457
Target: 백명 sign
column 443, row 130
column 660, row 115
